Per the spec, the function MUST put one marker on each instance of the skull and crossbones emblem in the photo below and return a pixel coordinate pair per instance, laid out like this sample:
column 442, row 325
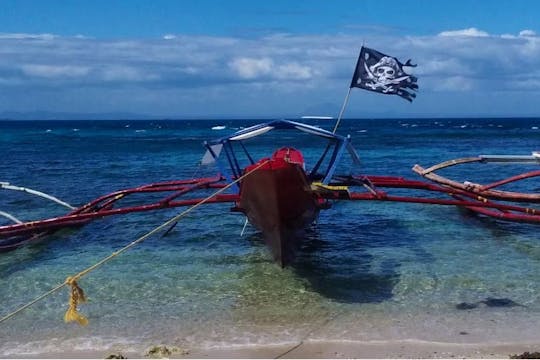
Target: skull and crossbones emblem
column 384, row 75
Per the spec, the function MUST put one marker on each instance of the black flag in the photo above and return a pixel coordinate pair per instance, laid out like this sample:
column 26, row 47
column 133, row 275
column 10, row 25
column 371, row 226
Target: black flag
column 384, row 74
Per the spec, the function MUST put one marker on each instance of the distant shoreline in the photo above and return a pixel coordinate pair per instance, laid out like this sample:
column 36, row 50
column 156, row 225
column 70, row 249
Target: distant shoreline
column 261, row 119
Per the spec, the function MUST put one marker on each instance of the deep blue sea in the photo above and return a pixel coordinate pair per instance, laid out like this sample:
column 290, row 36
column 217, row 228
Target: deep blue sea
column 367, row 272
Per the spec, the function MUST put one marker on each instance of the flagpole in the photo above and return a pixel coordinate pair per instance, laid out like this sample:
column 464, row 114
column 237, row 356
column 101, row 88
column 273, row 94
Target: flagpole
column 345, row 102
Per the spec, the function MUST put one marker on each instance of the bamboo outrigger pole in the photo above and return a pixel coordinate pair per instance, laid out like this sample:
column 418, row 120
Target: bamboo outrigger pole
column 8, row 186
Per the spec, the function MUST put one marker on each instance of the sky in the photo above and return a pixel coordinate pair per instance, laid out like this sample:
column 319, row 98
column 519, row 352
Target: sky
column 264, row 59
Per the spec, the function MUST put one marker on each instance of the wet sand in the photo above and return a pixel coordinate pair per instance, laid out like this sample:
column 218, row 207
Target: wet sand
column 321, row 349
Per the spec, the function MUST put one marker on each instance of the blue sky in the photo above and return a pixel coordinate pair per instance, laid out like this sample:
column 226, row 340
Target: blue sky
column 218, row 58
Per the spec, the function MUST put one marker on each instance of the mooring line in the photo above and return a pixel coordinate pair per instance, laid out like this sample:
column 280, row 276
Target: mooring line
column 69, row 280
column 308, row 334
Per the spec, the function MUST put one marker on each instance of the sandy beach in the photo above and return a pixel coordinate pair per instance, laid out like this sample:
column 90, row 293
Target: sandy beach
column 320, row 349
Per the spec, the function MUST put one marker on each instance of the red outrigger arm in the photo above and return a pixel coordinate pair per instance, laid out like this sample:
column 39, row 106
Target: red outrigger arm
column 457, row 196
column 16, row 235
column 485, row 190
column 481, row 199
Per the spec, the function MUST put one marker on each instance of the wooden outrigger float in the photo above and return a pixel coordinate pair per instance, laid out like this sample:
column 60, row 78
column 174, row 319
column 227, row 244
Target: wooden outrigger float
column 281, row 195
column 487, row 191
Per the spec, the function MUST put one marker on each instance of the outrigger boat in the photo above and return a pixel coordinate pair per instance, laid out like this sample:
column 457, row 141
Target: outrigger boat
column 281, row 195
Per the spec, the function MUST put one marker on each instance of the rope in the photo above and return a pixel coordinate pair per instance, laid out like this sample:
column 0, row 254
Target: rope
column 77, row 295
column 244, row 228
column 196, row 171
column 306, row 336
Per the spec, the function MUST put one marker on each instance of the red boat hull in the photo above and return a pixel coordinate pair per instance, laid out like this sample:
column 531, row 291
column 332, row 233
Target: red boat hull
column 277, row 199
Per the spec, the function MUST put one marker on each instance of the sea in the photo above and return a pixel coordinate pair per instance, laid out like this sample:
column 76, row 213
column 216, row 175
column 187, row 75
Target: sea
column 367, row 271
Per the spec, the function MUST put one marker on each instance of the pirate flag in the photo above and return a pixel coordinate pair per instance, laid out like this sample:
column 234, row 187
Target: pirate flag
column 384, row 74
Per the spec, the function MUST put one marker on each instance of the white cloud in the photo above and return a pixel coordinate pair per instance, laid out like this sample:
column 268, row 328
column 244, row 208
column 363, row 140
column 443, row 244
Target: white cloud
column 444, row 67
column 54, row 71
column 251, row 68
column 473, row 32
column 125, row 74
column 294, row 71
column 315, row 67
column 527, row 33
column 261, row 68
column 21, row 36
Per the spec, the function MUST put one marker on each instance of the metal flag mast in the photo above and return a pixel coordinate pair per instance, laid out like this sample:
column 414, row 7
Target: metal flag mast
column 346, row 101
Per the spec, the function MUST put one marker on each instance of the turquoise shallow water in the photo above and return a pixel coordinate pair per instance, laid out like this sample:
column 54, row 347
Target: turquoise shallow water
column 367, row 271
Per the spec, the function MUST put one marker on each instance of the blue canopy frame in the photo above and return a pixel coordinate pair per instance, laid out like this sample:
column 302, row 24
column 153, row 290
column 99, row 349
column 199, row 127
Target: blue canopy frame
column 336, row 147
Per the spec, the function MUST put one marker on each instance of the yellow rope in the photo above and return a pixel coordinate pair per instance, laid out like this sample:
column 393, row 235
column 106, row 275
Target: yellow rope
column 76, row 297
column 77, row 294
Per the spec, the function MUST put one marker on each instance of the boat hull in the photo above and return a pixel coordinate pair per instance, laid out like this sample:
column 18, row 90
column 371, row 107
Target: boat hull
column 277, row 200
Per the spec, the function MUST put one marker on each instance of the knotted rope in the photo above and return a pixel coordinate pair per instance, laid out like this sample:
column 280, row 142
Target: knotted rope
column 76, row 297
